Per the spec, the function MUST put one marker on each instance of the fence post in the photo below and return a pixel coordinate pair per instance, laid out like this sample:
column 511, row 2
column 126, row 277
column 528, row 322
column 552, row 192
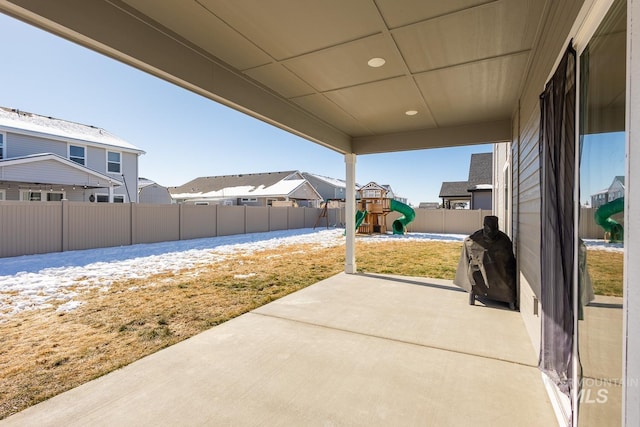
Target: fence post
column 180, row 221
column 217, row 220
column 245, row 219
column 132, row 216
column 65, row 225
column 215, row 210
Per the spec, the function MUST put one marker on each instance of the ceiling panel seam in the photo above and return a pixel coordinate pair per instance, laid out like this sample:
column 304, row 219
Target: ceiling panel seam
column 407, row 71
column 444, row 15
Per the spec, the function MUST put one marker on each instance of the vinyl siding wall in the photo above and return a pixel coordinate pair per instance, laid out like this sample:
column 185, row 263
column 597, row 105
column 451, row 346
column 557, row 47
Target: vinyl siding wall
column 526, row 161
column 18, row 145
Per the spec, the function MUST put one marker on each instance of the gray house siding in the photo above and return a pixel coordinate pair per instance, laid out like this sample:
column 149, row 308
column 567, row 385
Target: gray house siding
column 326, row 190
column 18, row 145
column 154, row 194
column 95, row 158
column 44, row 171
column 481, row 200
column 129, row 175
column 526, row 168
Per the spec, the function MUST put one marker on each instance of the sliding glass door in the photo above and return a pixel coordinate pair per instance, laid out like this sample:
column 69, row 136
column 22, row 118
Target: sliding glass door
column 600, row 233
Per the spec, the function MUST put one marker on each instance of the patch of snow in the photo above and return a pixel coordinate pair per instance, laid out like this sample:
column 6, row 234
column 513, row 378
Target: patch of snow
column 69, row 306
column 280, row 188
column 602, row 245
column 35, row 282
column 52, row 126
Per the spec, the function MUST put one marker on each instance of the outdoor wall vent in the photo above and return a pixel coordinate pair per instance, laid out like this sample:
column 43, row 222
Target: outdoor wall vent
column 535, row 306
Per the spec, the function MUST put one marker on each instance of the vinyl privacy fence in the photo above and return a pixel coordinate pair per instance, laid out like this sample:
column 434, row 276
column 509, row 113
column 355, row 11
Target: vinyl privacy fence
column 33, row 228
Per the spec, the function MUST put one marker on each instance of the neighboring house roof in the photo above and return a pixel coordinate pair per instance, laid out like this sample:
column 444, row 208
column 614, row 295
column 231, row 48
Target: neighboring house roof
column 338, row 183
column 480, row 171
column 243, row 185
column 13, row 169
column 618, row 178
column 28, row 123
column 144, row 182
column 429, row 205
column 480, row 178
column 451, row 189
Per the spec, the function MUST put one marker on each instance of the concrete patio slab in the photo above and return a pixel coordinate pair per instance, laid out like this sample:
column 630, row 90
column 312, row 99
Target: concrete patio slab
column 430, row 312
column 351, row 350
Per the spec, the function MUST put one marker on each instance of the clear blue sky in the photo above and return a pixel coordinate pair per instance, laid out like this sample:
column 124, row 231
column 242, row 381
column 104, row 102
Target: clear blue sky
column 185, row 135
column 603, row 158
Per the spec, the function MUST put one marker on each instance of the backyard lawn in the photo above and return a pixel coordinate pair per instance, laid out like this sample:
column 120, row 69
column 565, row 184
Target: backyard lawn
column 45, row 352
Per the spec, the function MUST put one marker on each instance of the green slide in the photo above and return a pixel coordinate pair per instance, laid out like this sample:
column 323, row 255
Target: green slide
column 408, row 214
column 360, row 215
column 604, row 220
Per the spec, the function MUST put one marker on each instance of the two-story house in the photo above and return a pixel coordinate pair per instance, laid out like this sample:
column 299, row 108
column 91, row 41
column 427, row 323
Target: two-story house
column 47, row 159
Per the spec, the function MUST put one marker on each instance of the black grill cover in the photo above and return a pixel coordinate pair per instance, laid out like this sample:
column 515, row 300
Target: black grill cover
column 487, row 266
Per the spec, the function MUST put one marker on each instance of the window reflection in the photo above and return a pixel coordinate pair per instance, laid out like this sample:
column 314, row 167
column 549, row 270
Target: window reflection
column 602, row 182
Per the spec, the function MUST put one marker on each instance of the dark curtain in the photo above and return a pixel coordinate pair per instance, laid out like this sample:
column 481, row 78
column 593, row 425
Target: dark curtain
column 557, row 180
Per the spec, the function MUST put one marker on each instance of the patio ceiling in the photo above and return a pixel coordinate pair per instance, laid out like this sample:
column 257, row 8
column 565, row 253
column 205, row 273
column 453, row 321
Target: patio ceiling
column 302, row 64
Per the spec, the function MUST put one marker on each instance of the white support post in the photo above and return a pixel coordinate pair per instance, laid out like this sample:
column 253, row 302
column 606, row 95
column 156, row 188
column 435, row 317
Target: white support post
column 110, row 193
column 350, row 214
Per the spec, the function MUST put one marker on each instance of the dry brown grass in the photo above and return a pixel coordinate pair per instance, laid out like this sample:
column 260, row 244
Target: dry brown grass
column 43, row 353
column 413, row 258
column 605, row 270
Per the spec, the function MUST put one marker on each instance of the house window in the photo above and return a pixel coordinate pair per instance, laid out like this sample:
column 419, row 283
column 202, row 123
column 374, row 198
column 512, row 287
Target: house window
column 2, row 137
column 77, row 154
column 3, row 195
column 249, row 200
column 41, row 196
column 54, row 197
column 114, row 162
column 104, row 198
column 31, row 196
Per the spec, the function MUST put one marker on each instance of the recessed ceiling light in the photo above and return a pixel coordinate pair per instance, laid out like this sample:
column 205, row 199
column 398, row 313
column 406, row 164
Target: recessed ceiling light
column 376, row 62
column 411, row 112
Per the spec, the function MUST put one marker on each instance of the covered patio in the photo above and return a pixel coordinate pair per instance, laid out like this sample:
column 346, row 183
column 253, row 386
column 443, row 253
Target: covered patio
column 377, row 76
column 370, row 350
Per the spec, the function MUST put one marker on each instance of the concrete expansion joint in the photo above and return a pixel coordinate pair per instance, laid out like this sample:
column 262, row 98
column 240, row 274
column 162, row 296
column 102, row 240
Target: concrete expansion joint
column 399, row 341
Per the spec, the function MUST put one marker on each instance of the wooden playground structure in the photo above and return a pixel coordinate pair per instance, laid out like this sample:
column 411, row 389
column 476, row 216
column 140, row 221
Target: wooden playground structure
column 373, row 208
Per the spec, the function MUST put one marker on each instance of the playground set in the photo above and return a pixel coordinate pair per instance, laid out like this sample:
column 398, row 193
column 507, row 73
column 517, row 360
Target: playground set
column 374, row 206
column 613, row 230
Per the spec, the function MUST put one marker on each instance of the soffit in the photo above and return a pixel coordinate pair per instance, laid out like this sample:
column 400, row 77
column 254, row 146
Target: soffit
column 302, row 64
